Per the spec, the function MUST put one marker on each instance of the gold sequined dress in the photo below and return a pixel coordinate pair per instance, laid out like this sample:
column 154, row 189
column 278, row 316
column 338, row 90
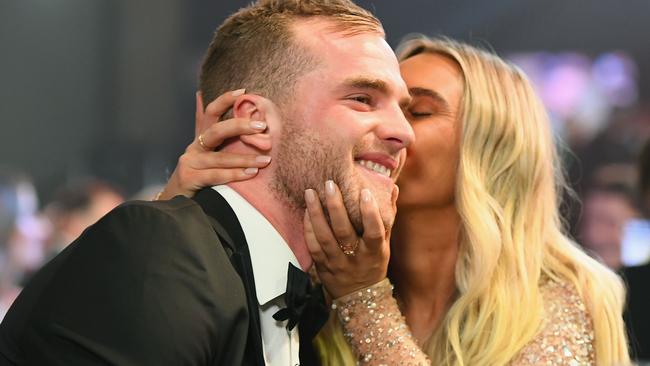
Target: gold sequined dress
column 376, row 330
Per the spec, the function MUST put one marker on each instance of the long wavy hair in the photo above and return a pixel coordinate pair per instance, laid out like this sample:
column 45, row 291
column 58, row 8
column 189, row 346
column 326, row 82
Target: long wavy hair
column 508, row 195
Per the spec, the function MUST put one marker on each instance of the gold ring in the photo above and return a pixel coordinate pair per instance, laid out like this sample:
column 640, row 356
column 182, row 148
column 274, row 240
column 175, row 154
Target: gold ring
column 349, row 249
column 202, row 143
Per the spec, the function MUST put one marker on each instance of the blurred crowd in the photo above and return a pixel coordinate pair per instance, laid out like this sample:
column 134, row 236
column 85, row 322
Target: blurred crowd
column 610, row 175
column 31, row 234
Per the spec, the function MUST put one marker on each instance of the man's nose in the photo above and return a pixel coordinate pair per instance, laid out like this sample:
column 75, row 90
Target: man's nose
column 396, row 130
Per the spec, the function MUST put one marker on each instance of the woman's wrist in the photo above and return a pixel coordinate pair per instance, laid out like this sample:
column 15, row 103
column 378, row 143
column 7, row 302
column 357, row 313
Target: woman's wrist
column 366, row 295
column 170, row 190
column 375, row 328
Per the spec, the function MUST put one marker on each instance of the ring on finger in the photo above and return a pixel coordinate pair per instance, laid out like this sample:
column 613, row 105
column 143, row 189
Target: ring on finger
column 203, row 143
column 349, row 248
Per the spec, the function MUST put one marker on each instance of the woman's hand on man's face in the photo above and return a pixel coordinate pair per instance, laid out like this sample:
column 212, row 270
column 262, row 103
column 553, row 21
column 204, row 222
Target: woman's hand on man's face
column 201, row 165
column 344, row 261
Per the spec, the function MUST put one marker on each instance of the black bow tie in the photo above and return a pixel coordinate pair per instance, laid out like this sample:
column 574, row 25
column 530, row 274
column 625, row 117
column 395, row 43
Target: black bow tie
column 305, row 304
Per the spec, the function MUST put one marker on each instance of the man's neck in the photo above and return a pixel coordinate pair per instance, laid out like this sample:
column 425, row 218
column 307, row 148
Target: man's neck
column 285, row 219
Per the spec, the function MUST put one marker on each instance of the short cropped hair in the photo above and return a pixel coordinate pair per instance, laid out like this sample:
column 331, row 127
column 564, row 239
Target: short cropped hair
column 255, row 48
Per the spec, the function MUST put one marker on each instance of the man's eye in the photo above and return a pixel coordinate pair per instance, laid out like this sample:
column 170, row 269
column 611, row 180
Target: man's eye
column 361, row 99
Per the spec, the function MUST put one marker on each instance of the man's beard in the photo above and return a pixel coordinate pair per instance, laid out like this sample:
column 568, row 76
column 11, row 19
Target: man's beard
column 306, row 161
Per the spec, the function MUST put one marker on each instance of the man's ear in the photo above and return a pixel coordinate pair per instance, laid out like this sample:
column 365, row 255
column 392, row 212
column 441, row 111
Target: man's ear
column 250, row 106
column 256, row 108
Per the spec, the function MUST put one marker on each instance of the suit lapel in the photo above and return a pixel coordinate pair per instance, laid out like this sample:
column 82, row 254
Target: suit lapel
column 227, row 226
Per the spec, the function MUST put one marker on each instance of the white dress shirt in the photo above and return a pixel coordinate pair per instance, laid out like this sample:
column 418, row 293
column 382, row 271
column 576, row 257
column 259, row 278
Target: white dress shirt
column 270, row 257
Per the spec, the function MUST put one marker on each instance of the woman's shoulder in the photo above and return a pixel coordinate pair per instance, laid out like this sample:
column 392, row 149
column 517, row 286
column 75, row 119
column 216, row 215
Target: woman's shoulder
column 566, row 334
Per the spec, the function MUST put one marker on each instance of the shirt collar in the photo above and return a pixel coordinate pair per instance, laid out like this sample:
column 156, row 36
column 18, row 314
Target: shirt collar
column 270, row 253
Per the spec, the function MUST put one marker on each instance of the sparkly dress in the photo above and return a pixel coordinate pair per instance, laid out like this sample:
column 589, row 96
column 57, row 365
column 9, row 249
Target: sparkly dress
column 375, row 328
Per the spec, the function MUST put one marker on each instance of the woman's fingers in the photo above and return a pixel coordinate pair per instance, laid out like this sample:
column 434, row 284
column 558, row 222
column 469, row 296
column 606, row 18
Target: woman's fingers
column 218, row 107
column 344, row 232
column 217, row 133
column 200, row 166
column 321, row 227
column 213, row 177
column 342, row 274
column 373, row 226
column 198, row 169
column 221, row 159
column 214, row 110
column 314, row 247
column 198, row 112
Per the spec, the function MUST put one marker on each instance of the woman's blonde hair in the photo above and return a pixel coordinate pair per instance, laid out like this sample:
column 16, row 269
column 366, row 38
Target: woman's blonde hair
column 508, row 195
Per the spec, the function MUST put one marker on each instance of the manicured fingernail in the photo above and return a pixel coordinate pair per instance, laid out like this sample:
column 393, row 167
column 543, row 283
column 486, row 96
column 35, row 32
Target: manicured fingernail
column 238, row 92
column 258, row 125
column 366, row 196
column 329, row 188
column 310, row 195
column 251, row 171
column 263, row 159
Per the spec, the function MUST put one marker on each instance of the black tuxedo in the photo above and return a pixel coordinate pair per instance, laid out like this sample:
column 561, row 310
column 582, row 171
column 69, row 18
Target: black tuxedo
column 151, row 283
column 637, row 311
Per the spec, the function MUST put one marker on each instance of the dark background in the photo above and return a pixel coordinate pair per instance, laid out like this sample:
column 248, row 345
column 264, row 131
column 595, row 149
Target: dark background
column 105, row 88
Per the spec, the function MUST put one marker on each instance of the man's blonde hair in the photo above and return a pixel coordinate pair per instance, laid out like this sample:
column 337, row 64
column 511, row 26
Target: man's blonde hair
column 255, row 48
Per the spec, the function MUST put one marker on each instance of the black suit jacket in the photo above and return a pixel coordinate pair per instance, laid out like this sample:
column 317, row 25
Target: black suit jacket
column 637, row 312
column 151, row 283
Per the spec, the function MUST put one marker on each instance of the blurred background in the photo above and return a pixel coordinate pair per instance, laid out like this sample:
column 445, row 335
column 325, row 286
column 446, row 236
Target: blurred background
column 105, row 88
column 97, row 103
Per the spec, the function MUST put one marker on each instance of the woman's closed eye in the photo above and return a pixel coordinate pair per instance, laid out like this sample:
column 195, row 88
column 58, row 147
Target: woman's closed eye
column 420, row 113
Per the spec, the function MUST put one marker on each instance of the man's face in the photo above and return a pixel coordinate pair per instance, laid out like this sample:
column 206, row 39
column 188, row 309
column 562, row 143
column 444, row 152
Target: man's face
column 345, row 122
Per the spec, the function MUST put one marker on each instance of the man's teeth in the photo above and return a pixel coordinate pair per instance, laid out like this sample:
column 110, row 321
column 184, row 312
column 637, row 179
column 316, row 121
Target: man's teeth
column 375, row 167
